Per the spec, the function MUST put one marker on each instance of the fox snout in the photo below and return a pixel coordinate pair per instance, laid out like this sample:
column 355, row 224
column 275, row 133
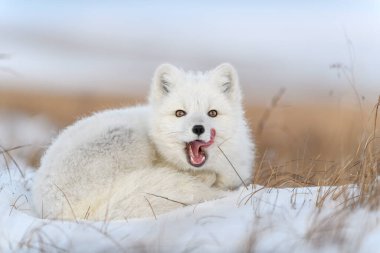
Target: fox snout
column 198, row 129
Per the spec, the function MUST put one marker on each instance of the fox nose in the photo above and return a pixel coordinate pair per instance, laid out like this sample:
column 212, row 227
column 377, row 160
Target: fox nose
column 198, row 129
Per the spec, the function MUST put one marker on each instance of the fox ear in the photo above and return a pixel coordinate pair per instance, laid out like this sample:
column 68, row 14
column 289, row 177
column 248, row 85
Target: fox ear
column 163, row 81
column 226, row 77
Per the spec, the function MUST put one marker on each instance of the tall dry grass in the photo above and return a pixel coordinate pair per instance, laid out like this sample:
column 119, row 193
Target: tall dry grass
column 297, row 144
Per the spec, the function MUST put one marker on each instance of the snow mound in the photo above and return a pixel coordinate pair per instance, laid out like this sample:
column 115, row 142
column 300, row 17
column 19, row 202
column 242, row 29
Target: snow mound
column 254, row 220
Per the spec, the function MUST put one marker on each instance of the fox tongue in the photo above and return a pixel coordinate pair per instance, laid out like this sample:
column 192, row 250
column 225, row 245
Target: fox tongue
column 196, row 148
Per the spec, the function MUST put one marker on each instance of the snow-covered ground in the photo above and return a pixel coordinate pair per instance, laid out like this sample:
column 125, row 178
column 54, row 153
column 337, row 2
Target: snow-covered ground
column 254, row 220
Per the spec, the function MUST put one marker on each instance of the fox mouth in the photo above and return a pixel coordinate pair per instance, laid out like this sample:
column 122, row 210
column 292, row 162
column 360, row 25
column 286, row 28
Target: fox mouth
column 195, row 150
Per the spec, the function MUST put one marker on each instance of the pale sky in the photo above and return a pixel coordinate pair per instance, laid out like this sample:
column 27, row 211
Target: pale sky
column 114, row 46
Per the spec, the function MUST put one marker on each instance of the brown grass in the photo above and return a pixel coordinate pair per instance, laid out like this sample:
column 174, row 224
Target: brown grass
column 297, row 145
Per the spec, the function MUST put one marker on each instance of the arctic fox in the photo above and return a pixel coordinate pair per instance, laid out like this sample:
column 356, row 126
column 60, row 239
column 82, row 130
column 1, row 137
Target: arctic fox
column 189, row 144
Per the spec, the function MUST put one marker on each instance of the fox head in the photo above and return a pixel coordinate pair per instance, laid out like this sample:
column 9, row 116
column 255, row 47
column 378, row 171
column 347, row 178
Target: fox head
column 194, row 114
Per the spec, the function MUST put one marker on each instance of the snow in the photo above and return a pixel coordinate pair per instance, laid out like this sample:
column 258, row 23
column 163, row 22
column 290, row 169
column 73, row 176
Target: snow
column 18, row 129
column 269, row 220
column 256, row 219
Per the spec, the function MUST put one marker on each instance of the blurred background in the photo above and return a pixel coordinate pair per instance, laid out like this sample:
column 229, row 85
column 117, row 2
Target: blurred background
column 308, row 69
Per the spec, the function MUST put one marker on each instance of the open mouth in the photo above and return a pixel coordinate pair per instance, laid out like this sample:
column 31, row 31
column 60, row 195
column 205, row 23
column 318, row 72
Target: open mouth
column 195, row 150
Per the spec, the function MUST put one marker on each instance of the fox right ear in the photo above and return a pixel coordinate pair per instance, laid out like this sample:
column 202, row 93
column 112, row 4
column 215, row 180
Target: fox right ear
column 226, row 77
column 164, row 80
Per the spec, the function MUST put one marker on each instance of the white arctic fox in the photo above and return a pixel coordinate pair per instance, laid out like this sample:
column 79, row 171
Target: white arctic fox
column 147, row 160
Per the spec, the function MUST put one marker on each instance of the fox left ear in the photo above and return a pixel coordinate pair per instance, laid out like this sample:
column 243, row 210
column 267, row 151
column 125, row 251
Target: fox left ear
column 226, row 77
column 164, row 80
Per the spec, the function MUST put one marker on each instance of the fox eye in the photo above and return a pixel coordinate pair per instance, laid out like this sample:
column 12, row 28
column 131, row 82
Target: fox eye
column 180, row 113
column 212, row 113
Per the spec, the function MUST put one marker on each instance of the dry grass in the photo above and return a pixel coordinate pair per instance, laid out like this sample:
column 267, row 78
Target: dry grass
column 297, row 145
column 315, row 145
column 62, row 109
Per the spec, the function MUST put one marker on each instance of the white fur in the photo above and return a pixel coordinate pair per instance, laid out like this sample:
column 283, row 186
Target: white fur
column 132, row 162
